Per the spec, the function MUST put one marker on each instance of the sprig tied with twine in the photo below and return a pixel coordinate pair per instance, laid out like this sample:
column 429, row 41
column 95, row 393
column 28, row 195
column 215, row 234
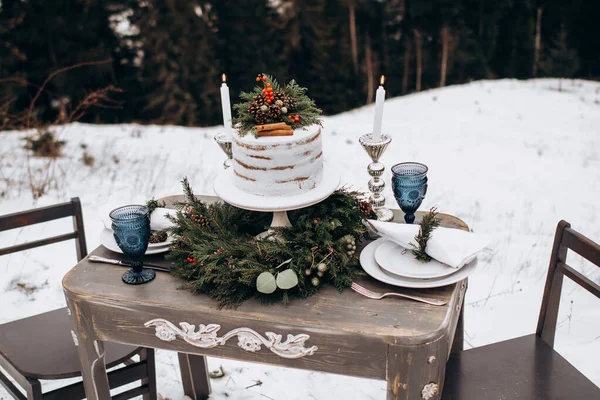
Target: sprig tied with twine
column 153, row 205
column 428, row 224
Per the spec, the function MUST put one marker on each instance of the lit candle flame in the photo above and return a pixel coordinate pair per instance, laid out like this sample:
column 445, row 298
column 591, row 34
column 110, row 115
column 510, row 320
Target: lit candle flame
column 224, row 78
column 382, row 80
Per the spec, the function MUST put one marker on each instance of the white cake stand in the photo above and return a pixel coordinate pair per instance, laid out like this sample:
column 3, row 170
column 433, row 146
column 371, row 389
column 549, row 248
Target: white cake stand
column 226, row 189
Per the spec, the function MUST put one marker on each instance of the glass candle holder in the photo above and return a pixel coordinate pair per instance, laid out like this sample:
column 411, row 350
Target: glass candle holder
column 131, row 230
column 409, row 184
column 224, row 140
column 375, row 149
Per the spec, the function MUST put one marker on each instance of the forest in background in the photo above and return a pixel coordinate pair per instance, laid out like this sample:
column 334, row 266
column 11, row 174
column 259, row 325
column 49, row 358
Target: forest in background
column 167, row 56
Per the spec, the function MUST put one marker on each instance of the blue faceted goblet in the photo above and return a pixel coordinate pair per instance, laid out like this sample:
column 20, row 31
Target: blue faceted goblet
column 131, row 230
column 409, row 184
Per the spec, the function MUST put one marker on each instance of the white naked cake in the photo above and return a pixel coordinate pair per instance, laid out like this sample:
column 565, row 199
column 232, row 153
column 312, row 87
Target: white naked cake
column 277, row 148
column 278, row 165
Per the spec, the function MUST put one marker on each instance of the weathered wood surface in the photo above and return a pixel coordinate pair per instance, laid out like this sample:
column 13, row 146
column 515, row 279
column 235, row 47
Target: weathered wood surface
column 354, row 335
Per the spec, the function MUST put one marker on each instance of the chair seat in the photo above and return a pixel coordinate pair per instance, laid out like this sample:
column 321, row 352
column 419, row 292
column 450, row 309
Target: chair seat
column 42, row 347
column 524, row 368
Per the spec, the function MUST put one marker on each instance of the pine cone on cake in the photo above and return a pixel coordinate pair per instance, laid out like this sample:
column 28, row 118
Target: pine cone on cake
column 278, row 95
column 261, row 118
column 274, row 111
column 287, row 102
column 256, row 107
column 290, row 103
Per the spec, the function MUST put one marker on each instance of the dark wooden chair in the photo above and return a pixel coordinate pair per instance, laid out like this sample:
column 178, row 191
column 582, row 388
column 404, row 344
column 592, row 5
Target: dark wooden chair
column 528, row 368
column 42, row 347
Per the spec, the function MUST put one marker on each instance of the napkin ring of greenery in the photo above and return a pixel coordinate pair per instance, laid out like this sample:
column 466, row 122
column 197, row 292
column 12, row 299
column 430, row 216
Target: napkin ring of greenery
column 429, row 222
column 216, row 251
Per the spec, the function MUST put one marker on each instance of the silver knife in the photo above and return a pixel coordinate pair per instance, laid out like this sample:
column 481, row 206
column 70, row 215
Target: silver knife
column 124, row 263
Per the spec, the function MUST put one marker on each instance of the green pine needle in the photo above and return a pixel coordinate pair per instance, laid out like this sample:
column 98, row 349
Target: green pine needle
column 428, row 224
column 153, row 205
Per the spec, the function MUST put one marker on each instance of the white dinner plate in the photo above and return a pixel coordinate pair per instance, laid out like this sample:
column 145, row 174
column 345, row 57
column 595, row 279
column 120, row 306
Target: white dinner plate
column 368, row 263
column 399, row 261
column 107, row 240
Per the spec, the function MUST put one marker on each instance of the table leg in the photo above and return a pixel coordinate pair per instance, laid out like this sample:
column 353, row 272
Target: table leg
column 459, row 335
column 91, row 353
column 194, row 376
column 416, row 372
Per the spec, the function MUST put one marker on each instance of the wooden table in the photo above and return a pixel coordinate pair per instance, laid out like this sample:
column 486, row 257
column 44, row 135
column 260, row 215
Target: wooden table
column 401, row 341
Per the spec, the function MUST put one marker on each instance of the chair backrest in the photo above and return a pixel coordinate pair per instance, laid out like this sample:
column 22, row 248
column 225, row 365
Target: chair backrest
column 564, row 239
column 45, row 214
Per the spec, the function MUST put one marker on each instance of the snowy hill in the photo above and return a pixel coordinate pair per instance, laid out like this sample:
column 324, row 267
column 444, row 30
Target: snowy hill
column 511, row 158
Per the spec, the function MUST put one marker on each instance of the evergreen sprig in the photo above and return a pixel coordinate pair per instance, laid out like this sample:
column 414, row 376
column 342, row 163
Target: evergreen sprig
column 153, row 205
column 305, row 107
column 429, row 222
column 223, row 258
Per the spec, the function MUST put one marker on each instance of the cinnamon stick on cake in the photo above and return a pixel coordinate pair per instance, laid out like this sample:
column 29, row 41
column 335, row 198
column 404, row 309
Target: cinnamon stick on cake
column 276, row 129
column 271, row 127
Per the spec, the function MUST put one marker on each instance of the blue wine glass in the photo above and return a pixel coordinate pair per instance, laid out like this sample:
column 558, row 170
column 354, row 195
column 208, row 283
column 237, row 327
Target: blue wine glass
column 131, row 230
column 409, row 184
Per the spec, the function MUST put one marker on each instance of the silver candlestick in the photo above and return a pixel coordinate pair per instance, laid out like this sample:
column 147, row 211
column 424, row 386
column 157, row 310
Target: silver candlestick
column 375, row 149
column 224, row 141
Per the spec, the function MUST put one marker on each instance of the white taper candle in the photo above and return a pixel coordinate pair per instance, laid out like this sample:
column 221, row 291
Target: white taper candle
column 378, row 120
column 226, row 105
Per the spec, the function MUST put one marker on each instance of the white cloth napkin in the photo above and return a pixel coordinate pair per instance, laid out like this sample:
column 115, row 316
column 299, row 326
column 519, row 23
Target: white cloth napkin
column 158, row 218
column 452, row 247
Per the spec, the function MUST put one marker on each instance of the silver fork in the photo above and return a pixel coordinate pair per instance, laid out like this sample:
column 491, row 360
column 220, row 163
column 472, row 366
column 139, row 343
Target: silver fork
column 377, row 296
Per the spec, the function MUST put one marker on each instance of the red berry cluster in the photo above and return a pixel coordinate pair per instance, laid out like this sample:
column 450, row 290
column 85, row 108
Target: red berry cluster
column 191, row 260
column 219, row 251
column 268, row 92
column 295, row 118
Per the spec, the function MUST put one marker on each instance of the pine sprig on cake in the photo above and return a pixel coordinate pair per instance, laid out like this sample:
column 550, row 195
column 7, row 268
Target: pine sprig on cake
column 270, row 103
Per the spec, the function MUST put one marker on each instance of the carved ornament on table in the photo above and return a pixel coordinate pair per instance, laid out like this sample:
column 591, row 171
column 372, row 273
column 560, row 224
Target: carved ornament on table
column 248, row 339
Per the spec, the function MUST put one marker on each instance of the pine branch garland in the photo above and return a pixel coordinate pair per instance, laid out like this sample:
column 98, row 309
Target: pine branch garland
column 428, row 224
column 224, row 258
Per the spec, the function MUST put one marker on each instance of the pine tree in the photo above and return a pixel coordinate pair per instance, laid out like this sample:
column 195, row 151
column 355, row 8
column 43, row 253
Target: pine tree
column 560, row 60
column 13, row 90
column 247, row 40
column 52, row 35
column 394, row 19
column 180, row 72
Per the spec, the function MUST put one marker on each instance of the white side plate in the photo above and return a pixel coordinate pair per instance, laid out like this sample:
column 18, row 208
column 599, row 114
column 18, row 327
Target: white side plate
column 167, row 242
column 368, row 263
column 107, row 240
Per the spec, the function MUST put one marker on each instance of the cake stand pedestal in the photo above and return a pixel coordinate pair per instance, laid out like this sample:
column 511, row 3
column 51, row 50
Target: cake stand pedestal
column 227, row 191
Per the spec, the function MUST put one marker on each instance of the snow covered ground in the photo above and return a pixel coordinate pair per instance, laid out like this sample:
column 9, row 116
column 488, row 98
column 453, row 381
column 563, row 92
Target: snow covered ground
column 511, row 158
